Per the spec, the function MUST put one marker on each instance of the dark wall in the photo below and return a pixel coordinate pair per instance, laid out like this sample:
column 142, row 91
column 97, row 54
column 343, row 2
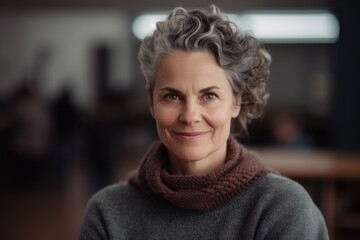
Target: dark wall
column 345, row 116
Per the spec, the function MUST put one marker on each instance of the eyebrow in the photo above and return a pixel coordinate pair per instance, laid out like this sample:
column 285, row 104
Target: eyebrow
column 173, row 90
column 169, row 89
column 209, row 89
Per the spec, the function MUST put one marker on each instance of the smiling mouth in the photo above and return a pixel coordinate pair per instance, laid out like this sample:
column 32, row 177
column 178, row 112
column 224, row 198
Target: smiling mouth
column 188, row 134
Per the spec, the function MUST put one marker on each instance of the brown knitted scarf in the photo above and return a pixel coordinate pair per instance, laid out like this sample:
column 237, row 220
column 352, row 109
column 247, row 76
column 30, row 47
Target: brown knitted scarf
column 200, row 193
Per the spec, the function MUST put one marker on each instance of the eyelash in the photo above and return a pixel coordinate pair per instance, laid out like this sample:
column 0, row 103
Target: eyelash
column 214, row 96
column 174, row 97
column 170, row 97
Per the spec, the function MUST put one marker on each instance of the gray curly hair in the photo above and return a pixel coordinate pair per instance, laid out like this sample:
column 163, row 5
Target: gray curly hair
column 244, row 59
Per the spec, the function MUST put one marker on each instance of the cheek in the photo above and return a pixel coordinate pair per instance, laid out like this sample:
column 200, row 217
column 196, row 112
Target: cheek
column 220, row 117
column 165, row 117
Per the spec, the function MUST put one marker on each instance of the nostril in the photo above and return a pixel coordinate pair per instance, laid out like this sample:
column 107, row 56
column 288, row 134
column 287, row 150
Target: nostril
column 190, row 116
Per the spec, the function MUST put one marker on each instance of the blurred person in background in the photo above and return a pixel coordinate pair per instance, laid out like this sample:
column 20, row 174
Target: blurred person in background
column 198, row 182
column 25, row 154
column 286, row 130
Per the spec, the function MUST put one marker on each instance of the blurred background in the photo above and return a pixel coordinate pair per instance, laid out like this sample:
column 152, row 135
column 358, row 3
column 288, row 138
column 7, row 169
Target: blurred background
column 74, row 115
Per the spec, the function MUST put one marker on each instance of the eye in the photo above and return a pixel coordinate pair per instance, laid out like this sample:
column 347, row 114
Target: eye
column 210, row 96
column 171, row 97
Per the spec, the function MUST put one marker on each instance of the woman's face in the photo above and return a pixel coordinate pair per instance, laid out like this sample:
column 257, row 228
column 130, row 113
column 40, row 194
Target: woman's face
column 193, row 105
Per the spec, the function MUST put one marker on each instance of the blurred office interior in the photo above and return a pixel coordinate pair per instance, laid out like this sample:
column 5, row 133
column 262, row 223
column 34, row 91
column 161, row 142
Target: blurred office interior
column 74, row 115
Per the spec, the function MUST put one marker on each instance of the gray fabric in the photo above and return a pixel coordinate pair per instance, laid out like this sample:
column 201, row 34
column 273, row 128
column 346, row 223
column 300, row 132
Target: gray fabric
column 274, row 207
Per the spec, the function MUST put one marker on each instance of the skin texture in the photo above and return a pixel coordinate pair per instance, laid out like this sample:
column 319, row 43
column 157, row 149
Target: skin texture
column 192, row 104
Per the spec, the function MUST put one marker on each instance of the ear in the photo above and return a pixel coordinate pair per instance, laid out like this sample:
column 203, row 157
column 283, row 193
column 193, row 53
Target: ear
column 150, row 100
column 236, row 107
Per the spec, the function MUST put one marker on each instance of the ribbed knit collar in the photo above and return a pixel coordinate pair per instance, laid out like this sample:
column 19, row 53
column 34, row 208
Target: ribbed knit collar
column 201, row 193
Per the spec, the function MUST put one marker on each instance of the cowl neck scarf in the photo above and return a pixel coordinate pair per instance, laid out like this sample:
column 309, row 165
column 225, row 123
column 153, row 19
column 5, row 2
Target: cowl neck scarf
column 200, row 193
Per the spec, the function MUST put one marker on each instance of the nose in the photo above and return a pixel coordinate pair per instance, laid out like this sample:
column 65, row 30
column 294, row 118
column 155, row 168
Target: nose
column 190, row 113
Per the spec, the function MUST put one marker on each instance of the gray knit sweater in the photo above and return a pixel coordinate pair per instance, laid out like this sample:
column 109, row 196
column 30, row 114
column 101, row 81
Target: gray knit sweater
column 242, row 199
column 274, row 207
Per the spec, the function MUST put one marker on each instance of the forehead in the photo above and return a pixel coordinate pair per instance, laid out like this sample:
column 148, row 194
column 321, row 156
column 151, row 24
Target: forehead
column 195, row 68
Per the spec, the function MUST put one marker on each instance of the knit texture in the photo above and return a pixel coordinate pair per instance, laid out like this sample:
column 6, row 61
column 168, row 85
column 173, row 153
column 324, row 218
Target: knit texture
column 201, row 193
column 272, row 208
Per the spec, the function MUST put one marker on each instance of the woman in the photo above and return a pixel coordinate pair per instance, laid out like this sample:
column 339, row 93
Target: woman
column 198, row 182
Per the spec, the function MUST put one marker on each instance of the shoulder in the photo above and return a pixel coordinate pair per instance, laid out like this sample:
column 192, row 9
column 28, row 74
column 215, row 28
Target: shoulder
column 277, row 185
column 107, row 207
column 112, row 191
column 115, row 196
column 279, row 193
column 288, row 212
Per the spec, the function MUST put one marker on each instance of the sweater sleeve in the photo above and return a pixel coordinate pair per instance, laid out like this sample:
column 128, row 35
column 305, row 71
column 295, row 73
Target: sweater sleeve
column 289, row 213
column 93, row 225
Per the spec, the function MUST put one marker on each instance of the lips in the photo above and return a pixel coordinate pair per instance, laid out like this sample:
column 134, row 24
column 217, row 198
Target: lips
column 188, row 135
